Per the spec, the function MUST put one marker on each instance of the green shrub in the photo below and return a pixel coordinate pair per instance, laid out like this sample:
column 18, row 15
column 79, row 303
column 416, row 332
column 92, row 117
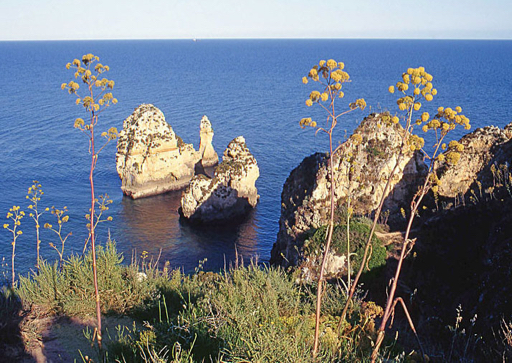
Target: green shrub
column 359, row 232
column 70, row 290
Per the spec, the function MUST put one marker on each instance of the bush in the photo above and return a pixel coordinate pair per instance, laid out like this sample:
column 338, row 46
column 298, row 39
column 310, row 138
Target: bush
column 359, row 232
column 70, row 290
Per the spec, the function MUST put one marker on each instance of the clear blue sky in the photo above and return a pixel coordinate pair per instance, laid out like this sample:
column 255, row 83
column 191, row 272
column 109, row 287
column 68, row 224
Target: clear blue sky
column 170, row 19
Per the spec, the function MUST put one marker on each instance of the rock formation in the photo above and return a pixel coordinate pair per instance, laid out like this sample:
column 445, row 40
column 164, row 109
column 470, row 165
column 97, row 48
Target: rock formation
column 208, row 155
column 229, row 193
column 150, row 158
column 305, row 198
column 482, row 148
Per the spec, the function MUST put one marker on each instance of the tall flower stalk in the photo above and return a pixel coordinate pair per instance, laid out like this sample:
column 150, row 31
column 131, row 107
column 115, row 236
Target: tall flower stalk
column 15, row 215
column 34, row 194
column 95, row 99
column 330, row 76
column 62, row 218
column 443, row 122
column 416, row 85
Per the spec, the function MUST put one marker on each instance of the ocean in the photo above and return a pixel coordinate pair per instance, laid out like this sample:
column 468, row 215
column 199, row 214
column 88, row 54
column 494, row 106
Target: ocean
column 245, row 87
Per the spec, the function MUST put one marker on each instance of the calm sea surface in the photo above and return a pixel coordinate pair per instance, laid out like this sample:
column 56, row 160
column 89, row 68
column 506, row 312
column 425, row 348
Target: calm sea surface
column 246, row 87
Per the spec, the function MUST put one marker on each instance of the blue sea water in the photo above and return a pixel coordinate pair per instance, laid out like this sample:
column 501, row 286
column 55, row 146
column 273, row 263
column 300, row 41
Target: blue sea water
column 246, row 87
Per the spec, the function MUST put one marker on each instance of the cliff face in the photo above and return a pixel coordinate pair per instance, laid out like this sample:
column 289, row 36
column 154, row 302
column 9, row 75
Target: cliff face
column 482, row 148
column 305, row 197
column 229, row 193
column 150, row 158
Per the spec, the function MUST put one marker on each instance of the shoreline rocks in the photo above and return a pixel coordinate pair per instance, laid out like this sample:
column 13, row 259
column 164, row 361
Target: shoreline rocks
column 231, row 191
column 305, row 199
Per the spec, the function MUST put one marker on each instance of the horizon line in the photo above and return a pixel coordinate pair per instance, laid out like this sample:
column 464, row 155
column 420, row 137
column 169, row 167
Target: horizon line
column 249, row 38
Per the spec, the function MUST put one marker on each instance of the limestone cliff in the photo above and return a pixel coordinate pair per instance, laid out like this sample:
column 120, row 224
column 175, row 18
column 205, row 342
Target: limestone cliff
column 482, row 148
column 208, row 155
column 305, row 198
column 229, row 193
column 150, row 158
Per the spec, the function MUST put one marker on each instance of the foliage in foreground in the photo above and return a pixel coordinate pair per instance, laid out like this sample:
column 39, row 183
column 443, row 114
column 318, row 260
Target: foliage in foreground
column 244, row 314
column 252, row 313
column 70, row 290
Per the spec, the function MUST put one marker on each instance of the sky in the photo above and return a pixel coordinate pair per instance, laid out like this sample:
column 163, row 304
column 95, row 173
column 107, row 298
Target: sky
column 186, row 19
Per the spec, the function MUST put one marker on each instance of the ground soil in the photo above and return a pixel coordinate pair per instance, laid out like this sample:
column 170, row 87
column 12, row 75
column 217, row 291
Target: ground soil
column 48, row 338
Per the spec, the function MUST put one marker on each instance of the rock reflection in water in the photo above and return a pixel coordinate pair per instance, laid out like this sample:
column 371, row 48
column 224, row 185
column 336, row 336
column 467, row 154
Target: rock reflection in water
column 153, row 224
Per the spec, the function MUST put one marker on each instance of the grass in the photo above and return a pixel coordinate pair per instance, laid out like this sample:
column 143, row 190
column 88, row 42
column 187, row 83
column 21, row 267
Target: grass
column 243, row 314
column 252, row 313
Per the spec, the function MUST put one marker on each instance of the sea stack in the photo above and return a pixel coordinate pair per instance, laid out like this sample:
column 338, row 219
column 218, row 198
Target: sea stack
column 231, row 191
column 150, row 158
column 208, row 155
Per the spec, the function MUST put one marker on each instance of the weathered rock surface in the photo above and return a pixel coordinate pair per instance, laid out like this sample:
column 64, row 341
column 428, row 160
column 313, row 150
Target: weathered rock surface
column 482, row 148
column 150, row 158
column 486, row 158
column 305, row 197
column 208, row 155
column 229, row 193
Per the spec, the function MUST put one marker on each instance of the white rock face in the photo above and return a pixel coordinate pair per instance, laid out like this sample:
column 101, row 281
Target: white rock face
column 150, row 158
column 229, row 193
column 208, row 155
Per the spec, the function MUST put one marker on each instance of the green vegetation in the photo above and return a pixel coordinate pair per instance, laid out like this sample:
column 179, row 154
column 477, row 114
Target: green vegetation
column 244, row 314
column 359, row 231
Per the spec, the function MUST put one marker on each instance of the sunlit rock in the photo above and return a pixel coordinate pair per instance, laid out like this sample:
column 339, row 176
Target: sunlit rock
column 208, row 155
column 150, row 158
column 305, row 199
column 231, row 191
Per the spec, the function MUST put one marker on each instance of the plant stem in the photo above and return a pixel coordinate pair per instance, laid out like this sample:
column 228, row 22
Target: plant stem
column 391, row 297
column 326, row 251
column 12, row 261
column 38, row 243
column 93, row 244
column 348, row 239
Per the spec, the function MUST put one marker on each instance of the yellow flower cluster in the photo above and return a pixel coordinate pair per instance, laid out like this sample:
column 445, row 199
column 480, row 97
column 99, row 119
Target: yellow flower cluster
column 421, row 82
column 361, row 103
column 16, row 215
column 85, row 71
column 72, row 87
column 79, row 123
column 415, row 142
column 88, row 58
column 305, row 122
column 453, row 153
column 334, row 76
column 405, row 103
column 446, row 120
column 387, row 120
column 111, row 134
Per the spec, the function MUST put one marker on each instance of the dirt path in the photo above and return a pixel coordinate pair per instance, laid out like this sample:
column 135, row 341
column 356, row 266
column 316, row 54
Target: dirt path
column 52, row 339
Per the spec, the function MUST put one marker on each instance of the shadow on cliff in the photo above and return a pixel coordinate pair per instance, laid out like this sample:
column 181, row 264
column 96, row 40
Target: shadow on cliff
column 402, row 193
column 213, row 213
column 11, row 316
